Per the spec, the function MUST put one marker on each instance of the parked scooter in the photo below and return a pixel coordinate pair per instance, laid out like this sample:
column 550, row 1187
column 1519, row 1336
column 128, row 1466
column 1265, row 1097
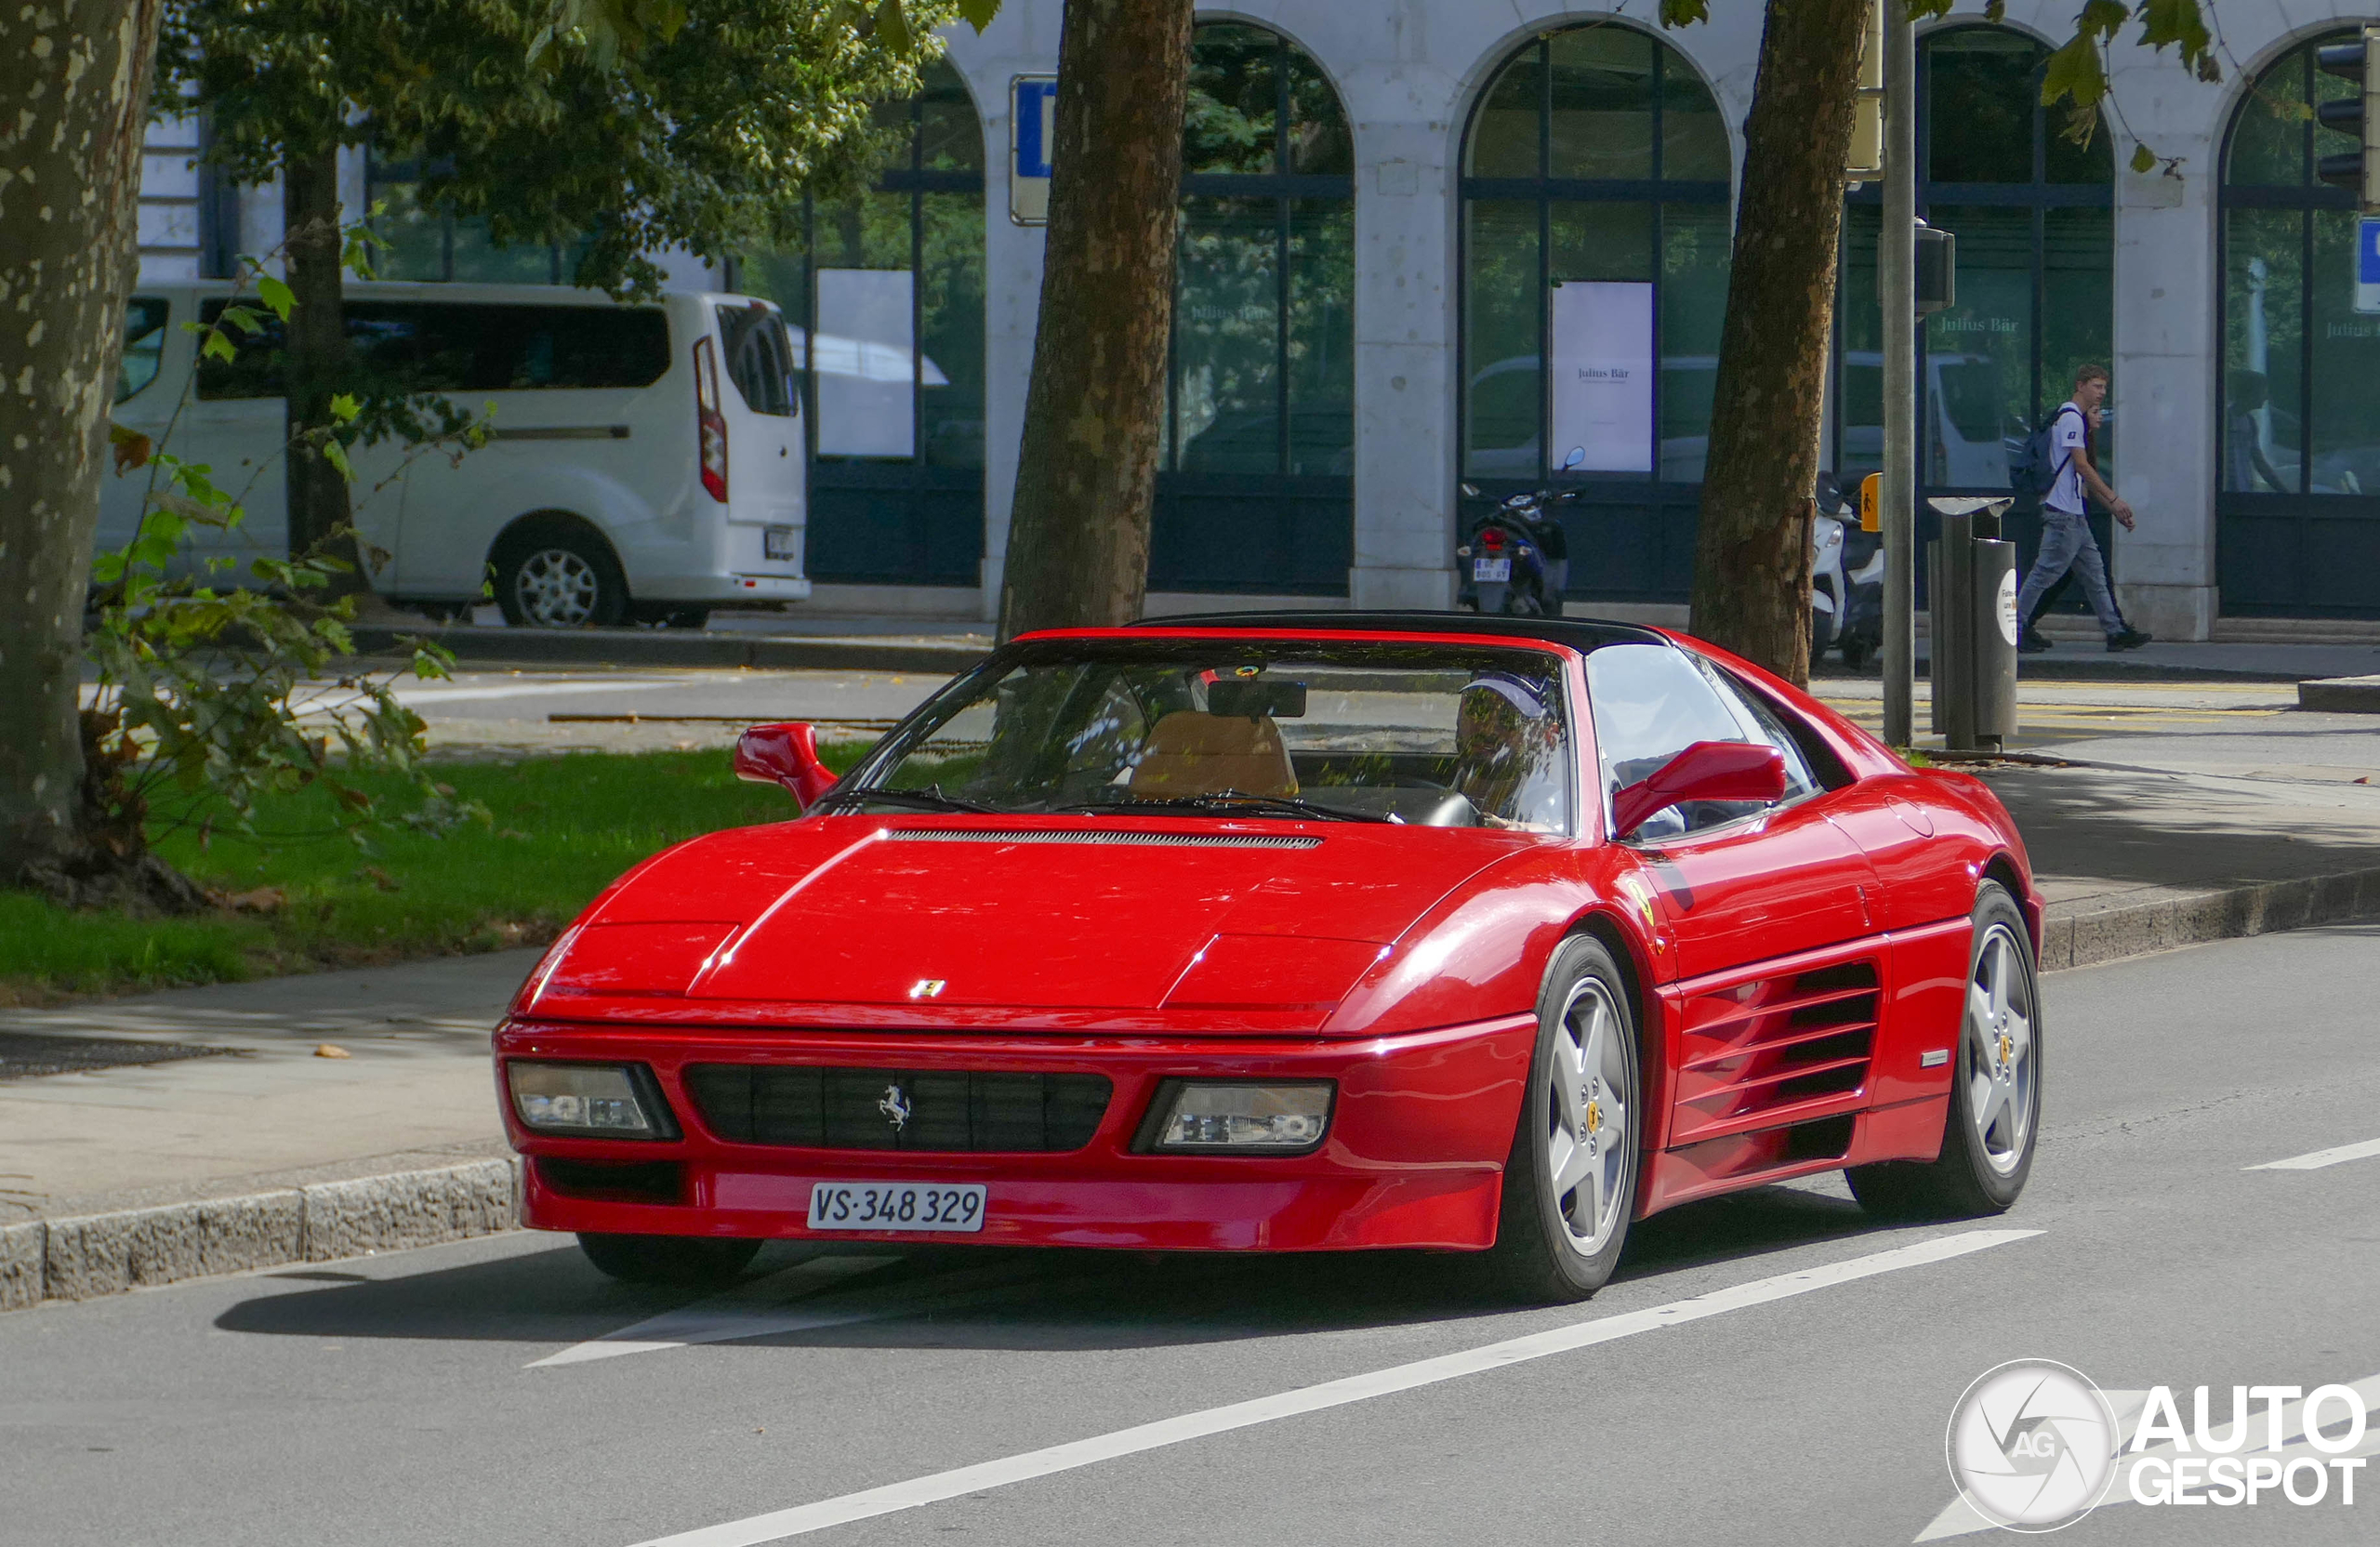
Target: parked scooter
column 1846, row 582
column 1516, row 559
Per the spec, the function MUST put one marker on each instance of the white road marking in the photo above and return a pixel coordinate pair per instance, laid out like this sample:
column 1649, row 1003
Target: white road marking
column 804, row 1518
column 748, row 1310
column 1959, row 1518
column 2320, row 1157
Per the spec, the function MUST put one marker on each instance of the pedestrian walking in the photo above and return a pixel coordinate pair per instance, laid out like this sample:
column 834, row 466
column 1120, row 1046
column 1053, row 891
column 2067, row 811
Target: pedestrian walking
column 2067, row 543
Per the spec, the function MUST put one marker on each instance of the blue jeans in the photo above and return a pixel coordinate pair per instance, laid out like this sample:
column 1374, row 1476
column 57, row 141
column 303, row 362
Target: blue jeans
column 2066, row 544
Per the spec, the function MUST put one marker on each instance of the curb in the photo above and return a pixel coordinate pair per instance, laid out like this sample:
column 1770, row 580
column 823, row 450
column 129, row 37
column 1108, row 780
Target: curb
column 2340, row 695
column 638, row 647
column 86, row 1256
column 2087, row 936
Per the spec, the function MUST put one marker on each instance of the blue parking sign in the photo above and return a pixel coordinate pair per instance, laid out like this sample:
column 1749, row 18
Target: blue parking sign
column 1033, row 102
column 2367, row 264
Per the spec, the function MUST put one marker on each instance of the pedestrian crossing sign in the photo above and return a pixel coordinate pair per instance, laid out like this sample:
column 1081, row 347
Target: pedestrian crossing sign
column 2367, row 264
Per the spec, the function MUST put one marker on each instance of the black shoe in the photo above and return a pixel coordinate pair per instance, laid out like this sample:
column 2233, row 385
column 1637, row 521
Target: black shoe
column 2033, row 643
column 2131, row 638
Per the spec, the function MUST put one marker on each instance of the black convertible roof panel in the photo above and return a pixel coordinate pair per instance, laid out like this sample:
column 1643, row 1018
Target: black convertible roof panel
column 1580, row 634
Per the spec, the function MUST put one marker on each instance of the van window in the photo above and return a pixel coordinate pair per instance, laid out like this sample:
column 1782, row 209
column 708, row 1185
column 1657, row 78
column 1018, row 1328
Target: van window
column 144, row 344
column 759, row 358
column 400, row 347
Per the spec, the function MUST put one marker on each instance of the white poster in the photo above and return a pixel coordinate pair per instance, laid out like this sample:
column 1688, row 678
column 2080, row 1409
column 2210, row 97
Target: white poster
column 865, row 354
column 1603, row 376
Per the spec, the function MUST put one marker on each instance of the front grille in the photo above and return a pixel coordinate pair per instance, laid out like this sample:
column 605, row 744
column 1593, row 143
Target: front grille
column 947, row 1110
column 1099, row 835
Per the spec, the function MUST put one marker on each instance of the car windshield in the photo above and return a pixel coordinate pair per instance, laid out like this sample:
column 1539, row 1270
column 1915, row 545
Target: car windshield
column 1443, row 736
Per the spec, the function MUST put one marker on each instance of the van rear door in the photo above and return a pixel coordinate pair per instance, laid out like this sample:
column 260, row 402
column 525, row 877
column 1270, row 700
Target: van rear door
column 765, row 469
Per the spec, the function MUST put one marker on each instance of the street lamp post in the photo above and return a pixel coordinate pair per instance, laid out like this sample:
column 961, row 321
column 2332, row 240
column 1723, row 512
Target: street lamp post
column 1897, row 284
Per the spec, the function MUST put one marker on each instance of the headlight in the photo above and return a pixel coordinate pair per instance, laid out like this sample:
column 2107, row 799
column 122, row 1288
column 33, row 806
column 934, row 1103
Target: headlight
column 1208, row 1117
column 595, row 1101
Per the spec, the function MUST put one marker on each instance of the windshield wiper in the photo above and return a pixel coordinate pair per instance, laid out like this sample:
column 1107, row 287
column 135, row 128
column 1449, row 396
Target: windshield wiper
column 1231, row 801
column 929, row 799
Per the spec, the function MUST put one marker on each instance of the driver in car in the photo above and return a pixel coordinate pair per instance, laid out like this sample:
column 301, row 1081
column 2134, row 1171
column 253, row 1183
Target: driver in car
column 1508, row 754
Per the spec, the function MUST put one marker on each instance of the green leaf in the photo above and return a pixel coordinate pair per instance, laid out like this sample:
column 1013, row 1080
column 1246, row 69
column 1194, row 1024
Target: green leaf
column 1684, row 13
column 2175, row 22
column 344, row 408
column 2074, row 74
column 246, row 318
column 335, row 454
column 277, row 295
column 978, row 14
column 2143, row 159
column 893, row 27
column 218, row 345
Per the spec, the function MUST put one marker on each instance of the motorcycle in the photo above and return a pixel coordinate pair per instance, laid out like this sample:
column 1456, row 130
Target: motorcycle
column 1516, row 559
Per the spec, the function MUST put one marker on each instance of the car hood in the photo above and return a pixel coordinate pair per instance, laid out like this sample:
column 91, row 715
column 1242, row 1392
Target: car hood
column 1053, row 914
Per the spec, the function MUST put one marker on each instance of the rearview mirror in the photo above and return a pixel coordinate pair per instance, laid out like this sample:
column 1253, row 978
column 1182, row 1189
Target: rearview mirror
column 784, row 754
column 1706, row 771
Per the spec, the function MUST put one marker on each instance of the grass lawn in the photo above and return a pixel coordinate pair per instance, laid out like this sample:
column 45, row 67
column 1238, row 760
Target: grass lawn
column 565, row 827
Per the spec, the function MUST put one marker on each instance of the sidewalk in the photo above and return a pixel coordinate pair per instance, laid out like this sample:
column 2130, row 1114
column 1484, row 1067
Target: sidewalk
column 267, row 1152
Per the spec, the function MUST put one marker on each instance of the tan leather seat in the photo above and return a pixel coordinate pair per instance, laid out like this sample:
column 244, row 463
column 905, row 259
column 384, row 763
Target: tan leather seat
column 1192, row 752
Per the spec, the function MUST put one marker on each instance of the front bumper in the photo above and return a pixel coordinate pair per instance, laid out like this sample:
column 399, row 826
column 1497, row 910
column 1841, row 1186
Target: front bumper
column 1414, row 1156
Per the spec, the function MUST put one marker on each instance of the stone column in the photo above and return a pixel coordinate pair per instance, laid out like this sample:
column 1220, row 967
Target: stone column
column 1404, row 461
column 2167, row 357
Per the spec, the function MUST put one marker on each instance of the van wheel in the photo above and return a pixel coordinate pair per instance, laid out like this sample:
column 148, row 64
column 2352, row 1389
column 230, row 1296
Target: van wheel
column 556, row 577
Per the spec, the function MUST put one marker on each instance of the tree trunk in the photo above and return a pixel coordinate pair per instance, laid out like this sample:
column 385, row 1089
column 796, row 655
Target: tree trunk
column 73, row 107
column 1751, row 569
column 319, row 512
column 1078, row 541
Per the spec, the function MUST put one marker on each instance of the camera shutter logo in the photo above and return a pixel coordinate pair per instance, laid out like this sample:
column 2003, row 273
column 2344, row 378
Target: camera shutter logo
column 2032, row 1446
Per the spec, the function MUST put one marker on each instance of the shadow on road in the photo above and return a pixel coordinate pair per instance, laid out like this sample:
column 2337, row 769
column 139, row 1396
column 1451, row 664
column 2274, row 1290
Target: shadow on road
column 2154, row 830
column 1013, row 1299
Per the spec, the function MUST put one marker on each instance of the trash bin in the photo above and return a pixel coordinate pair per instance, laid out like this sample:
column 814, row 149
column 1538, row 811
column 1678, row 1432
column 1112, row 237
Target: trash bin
column 1971, row 575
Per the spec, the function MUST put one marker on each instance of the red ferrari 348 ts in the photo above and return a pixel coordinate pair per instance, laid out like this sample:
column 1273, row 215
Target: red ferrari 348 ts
column 1295, row 932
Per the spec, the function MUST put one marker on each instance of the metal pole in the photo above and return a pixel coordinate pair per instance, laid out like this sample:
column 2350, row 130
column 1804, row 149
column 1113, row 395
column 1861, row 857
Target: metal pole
column 1897, row 285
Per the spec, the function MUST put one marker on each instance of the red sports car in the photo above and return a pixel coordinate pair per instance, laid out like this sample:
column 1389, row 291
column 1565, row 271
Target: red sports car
column 1295, row 932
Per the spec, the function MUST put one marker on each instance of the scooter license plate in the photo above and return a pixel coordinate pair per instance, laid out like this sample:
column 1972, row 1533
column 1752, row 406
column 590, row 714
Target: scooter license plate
column 1491, row 569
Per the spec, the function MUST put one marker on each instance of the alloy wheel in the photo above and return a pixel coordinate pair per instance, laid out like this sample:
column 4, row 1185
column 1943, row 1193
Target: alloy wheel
column 1998, row 1050
column 557, row 588
column 1589, row 1138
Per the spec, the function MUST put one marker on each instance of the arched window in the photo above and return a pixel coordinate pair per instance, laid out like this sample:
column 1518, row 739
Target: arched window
column 895, row 274
column 2033, row 215
column 1595, row 187
column 2297, row 513
column 1255, row 491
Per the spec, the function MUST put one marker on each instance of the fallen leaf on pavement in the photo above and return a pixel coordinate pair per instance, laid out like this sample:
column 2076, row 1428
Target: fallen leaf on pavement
column 331, row 1050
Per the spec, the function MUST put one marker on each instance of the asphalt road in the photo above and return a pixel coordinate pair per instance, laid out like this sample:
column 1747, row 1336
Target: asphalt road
column 500, row 1392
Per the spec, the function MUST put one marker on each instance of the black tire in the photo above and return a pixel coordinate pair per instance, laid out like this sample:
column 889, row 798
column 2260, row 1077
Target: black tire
column 1976, row 1174
column 1855, row 651
column 684, row 1262
column 1539, row 1256
column 559, row 574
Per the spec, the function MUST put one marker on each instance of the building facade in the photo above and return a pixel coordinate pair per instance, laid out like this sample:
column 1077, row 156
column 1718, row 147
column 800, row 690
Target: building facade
column 1412, row 230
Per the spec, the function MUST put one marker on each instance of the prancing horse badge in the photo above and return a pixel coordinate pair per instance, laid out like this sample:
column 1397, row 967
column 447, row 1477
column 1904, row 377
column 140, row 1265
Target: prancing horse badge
column 895, row 1107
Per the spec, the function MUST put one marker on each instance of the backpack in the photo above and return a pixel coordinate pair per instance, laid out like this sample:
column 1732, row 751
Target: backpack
column 2036, row 466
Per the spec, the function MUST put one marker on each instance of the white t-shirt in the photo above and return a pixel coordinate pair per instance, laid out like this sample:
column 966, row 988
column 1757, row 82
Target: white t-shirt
column 2068, row 433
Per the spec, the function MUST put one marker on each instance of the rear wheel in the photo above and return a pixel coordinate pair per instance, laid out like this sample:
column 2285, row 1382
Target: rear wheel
column 1570, row 1181
column 688, row 1261
column 551, row 575
column 1995, row 1089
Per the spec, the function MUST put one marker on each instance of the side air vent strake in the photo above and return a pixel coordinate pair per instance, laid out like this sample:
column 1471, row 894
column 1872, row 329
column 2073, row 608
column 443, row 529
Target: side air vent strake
column 1099, row 835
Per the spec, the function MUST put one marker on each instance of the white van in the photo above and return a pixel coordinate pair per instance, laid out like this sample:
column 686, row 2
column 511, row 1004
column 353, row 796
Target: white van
column 646, row 463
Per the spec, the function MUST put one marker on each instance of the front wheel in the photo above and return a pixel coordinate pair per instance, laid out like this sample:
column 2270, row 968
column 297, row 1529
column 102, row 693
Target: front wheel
column 1995, row 1117
column 685, row 1262
column 1570, row 1181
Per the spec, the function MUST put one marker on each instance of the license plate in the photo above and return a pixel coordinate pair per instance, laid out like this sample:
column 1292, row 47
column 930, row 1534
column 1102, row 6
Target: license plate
column 1491, row 569
column 780, row 542
column 896, row 1206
